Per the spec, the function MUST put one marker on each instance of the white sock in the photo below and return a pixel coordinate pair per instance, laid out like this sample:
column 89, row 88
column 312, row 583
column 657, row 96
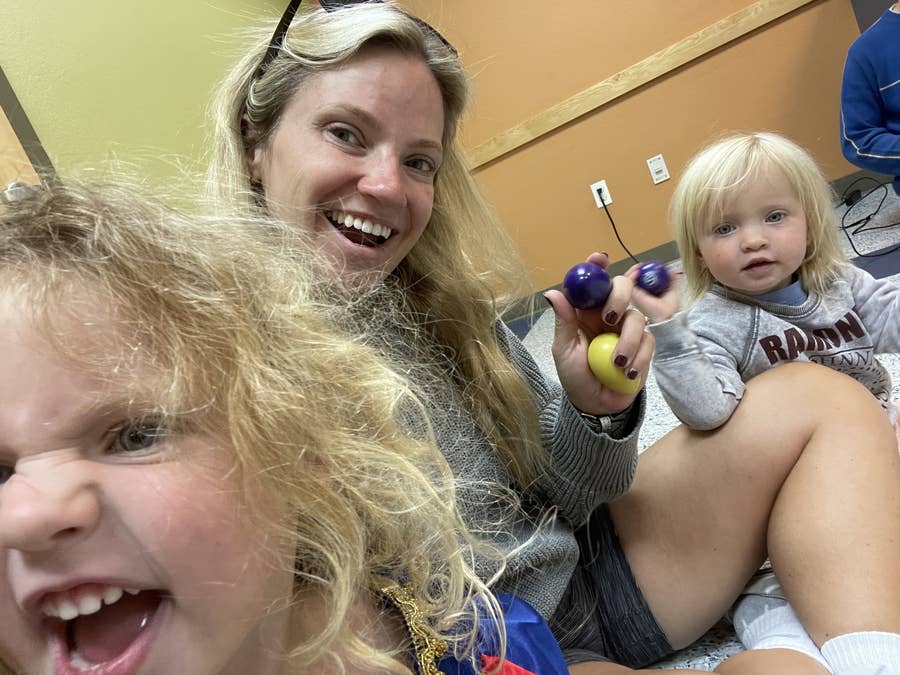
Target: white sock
column 765, row 622
column 865, row 653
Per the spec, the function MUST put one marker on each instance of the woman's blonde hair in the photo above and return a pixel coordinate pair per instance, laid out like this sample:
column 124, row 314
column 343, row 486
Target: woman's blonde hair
column 463, row 265
column 717, row 172
column 226, row 310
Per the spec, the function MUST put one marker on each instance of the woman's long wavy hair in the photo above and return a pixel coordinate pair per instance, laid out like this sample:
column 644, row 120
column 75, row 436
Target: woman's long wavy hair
column 227, row 312
column 463, row 269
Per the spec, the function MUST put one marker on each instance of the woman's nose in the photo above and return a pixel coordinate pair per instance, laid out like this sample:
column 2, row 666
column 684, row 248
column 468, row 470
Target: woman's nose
column 383, row 179
column 38, row 513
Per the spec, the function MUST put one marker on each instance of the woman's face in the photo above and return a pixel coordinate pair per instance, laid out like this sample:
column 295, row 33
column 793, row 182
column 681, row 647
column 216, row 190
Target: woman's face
column 353, row 160
column 124, row 546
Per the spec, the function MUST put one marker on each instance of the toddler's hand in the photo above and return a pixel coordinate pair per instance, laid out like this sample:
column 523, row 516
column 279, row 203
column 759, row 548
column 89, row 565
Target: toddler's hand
column 656, row 309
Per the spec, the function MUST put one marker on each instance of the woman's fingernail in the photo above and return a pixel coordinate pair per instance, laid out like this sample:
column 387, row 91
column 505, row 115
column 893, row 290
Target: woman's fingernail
column 632, row 374
column 611, row 317
column 621, row 361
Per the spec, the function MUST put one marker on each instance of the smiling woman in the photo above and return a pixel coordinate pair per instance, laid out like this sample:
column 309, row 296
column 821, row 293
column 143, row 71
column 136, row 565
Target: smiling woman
column 198, row 474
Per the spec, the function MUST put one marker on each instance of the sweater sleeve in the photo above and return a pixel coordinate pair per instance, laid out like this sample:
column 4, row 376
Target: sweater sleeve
column 587, row 468
column 870, row 112
column 698, row 378
column 877, row 301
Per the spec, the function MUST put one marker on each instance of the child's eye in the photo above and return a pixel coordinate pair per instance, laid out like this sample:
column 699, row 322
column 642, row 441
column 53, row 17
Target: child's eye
column 723, row 228
column 138, row 437
column 776, row 217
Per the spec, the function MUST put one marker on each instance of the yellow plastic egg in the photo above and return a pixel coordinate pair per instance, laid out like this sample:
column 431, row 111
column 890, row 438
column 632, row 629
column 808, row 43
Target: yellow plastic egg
column 600, row 353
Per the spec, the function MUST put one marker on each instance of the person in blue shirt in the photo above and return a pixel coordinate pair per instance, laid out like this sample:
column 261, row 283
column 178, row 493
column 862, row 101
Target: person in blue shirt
column 870, row 98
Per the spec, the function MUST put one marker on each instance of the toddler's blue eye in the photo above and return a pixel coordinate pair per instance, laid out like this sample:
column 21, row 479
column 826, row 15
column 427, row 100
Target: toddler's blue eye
column 724, row 228
column 6, row 472
column 138, row 437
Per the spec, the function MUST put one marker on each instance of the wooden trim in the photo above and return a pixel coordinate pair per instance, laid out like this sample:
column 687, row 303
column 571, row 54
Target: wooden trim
column 654, row 66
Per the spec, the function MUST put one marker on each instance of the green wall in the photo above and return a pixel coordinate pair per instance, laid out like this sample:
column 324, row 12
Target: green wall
column 122, row 79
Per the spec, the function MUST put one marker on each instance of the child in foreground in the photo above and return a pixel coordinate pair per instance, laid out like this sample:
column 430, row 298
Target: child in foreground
column 765, row 283
column 199, row 475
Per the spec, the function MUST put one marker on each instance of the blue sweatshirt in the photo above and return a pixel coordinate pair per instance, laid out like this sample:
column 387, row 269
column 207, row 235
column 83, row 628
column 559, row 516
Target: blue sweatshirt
column 870, row 99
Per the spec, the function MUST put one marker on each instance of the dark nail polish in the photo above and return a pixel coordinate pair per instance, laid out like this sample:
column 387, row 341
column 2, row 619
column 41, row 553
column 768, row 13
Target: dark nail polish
column 621, row 361
column 632, row 374
column 611, row 318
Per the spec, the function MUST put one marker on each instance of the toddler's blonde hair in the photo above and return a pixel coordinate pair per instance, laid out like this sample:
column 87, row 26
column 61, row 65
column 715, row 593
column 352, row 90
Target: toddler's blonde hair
column 229, row 313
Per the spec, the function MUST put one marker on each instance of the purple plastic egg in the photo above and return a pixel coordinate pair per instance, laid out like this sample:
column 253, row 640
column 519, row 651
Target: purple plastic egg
column 653, row 277
column 586, row 286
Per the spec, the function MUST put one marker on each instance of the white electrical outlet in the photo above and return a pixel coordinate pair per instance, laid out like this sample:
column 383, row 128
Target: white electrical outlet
column 599, row 188
column 658, row 170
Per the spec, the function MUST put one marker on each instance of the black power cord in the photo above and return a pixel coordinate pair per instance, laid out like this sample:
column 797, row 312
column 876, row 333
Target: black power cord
column 613, row 223
column 852, row 197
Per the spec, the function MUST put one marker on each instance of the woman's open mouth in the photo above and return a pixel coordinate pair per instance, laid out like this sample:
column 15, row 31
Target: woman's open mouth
column 360, row 231
column 100, row 629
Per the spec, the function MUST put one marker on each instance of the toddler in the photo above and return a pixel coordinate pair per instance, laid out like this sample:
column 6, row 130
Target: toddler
column 199, row 475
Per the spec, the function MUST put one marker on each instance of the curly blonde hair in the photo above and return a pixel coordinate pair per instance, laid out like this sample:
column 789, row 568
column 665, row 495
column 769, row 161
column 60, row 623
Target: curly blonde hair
column 463, row 269
column 710, row 181
column 246, row 341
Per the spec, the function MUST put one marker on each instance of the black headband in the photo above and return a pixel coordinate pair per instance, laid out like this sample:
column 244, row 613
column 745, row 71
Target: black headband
column 277, row 41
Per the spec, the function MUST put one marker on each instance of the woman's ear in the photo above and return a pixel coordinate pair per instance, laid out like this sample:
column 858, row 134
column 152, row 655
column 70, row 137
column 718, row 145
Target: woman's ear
column 253, row 151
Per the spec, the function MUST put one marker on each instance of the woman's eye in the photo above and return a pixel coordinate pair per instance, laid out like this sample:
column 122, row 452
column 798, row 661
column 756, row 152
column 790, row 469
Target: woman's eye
column 423, row 165
column 138, row 437
column 344, row 135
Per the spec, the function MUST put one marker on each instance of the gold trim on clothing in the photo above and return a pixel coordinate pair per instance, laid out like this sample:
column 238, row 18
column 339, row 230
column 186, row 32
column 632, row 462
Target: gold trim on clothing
column 429, row 648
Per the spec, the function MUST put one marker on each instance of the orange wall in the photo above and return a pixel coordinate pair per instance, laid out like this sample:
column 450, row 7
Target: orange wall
column 528, row 56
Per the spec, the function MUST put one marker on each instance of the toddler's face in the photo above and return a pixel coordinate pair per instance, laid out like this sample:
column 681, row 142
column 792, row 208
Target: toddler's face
column 121, row 543
column 761, row 241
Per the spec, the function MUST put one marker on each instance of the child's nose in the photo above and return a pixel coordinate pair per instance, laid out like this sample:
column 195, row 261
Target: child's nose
column 753, row 239
column 37, row 514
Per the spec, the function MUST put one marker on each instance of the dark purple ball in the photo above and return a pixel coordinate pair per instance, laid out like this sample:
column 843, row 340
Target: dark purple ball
column 653, row 277
column 586, row 286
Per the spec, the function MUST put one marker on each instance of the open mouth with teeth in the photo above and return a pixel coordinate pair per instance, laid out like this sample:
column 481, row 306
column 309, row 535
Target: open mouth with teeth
column 360, row 231
column 99, row 629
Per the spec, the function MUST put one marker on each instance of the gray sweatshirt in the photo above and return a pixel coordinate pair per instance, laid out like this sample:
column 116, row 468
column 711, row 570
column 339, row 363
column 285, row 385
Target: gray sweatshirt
column 705, row 354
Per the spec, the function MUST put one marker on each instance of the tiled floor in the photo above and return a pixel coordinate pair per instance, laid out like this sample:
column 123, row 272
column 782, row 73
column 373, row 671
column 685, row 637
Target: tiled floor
column 720, row 642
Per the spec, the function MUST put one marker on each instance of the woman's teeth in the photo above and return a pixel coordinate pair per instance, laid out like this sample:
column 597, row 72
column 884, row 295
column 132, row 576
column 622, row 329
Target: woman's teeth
column 361, row 224
column 67, row 606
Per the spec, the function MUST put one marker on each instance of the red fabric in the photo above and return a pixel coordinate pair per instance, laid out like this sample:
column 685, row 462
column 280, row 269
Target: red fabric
column 489, row 665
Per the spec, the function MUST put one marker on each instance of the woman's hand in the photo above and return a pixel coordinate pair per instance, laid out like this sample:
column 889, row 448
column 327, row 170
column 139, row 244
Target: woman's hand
column 575, row 328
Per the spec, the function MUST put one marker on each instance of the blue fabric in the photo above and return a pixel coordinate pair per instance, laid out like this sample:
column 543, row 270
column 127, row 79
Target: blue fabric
column 529, row 643
column 793, row 295
column 870, row 98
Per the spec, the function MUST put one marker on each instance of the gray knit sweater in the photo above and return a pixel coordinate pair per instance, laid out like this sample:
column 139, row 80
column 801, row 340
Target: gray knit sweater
column 704, row 355
column 586, row 470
